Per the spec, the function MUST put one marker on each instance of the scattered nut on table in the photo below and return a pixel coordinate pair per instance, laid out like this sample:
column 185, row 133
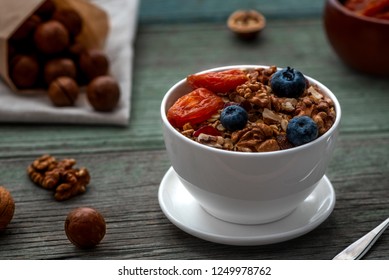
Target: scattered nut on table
column 60, row 176
column 7, row 207
column 85, row 227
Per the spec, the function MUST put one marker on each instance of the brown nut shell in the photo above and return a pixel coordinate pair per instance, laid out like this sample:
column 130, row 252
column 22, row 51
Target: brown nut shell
column 85, row 227
column 71, row 19
column 94, row 63
column 27, row 28
column 51, row 37
column 59, row 67
column 46, row 10
column 63, row 91
column 7, row 207
column 103, row 93
column 24, row 71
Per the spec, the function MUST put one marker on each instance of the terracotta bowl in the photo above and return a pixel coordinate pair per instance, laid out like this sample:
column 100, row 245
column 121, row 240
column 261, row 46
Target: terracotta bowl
column 361, row 42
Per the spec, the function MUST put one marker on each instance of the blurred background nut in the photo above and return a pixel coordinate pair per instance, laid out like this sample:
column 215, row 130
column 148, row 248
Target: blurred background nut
column 85, row 227
column 7, row 207
column 103, row 93
column 51, row 37
column 94, row 63
column 63, row 91
column 27, row 28
column 46, row 10
column 70, row 19
column 59, row 67
column 246, row 24
column 24, row 71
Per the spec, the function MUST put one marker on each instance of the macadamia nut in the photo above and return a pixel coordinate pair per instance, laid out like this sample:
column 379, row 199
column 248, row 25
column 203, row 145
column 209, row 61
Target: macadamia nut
column 51, row 37
column 7, row 207
column 24, row 71
column 103, row 93
column 85, row 227
column 63, row 91
column 59, row 67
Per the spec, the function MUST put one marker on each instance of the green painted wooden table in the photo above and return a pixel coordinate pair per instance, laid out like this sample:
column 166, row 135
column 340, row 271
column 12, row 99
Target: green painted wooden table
column 176, row 38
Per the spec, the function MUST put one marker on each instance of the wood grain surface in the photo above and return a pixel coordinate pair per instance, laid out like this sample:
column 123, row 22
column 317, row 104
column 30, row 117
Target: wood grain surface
column 127, row 164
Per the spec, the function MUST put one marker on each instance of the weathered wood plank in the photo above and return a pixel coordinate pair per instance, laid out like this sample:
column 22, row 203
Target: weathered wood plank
column 124, row 188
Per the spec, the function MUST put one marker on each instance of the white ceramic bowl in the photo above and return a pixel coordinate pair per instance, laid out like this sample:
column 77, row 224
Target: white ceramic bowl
column 247, row 188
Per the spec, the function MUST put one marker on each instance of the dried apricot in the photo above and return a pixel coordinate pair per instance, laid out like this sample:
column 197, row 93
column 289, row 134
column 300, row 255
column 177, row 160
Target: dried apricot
column 207, row 129
column 218, row 82
column 370, row 8
column 374, row 8
column 194, row 107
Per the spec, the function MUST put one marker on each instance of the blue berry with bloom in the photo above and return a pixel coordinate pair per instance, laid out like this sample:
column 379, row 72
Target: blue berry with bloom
column 288, row 82
column 301, row 130
column 233, row 117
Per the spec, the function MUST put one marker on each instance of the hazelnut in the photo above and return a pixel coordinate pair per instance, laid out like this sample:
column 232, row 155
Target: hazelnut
column 51, row 37
column 59, row 67
column 27, row 28
column 24, row 71
column 85, row 227
column 46, row 10
column 71, row 19
column 63, row 91
column 76, row 49
column 7, row 207
column 103, row 93
column 94, row 63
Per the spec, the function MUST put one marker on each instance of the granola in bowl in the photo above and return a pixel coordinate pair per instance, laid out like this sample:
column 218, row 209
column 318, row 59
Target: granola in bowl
column 251, row 110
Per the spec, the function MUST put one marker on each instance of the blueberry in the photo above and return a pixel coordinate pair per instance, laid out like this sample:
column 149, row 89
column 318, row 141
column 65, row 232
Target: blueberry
column 301, row 130
column 233, row 117
column 288, row 82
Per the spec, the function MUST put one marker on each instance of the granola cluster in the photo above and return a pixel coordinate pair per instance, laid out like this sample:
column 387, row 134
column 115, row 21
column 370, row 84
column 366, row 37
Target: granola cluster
column 268, row 115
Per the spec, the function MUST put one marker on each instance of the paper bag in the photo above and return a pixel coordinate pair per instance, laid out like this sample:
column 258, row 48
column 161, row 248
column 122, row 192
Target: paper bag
column 14, row 13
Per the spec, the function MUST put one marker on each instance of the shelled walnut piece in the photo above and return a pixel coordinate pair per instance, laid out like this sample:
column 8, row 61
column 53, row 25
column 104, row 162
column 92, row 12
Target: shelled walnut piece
column 60, row 176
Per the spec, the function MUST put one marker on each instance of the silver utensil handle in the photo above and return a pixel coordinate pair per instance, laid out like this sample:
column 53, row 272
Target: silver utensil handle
column 360, row 247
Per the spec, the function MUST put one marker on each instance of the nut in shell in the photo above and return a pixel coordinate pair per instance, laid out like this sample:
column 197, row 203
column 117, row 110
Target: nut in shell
column 246, row 24
column 7, row 207
column 55, row 68
column 85, row 227
column 24, row 71
column 103, row 93
column 51, row 37
column 63, row 91
column 94, row 63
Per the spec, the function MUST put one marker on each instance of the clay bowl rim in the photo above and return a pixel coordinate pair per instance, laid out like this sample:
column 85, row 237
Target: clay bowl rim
column 338, row 4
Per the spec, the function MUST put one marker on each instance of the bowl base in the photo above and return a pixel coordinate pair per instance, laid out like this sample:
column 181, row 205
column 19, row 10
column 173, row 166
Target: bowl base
column 183, row 211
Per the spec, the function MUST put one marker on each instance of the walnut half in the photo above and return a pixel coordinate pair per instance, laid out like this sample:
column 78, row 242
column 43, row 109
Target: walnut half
column 59, row 176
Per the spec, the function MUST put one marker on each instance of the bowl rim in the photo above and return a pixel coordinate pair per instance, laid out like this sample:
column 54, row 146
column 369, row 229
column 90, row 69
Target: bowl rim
column 339, row 5
column 296, row 149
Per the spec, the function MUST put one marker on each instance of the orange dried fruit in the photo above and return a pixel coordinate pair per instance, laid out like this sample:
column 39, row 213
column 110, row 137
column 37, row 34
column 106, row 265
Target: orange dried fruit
column 194, row 107
column 218, row 82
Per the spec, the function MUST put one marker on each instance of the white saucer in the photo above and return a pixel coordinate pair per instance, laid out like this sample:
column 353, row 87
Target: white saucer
column 182, row 210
